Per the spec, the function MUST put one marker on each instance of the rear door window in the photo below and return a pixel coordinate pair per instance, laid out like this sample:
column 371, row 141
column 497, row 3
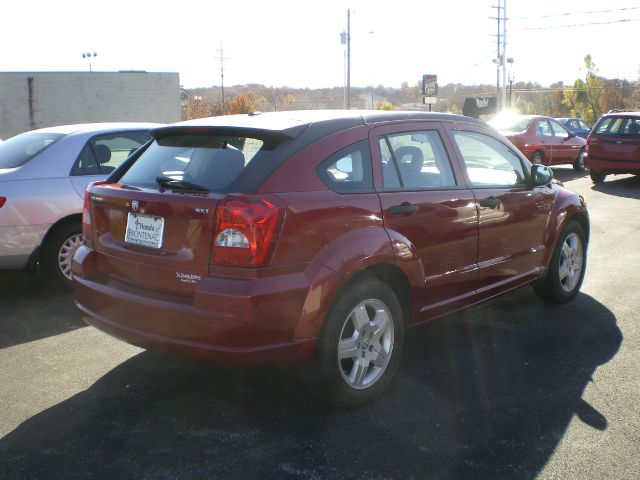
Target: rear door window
column 104, row 153
column 209, row 162
column 414, row 161
column 543, row 129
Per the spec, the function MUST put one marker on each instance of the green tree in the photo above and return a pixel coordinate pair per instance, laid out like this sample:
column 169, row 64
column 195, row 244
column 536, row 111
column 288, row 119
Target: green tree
column 385, row 106
column 584, row 100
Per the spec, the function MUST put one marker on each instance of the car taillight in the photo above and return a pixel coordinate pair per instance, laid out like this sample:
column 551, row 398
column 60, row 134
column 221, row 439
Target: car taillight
column 244, row 230
column 2, row 201
column 86, row 212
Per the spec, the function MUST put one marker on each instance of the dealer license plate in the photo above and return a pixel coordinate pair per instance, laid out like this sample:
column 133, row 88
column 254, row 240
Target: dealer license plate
column 145, row 230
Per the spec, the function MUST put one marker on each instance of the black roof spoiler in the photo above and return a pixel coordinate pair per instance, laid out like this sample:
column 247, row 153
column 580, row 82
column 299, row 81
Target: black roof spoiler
column 260, row 133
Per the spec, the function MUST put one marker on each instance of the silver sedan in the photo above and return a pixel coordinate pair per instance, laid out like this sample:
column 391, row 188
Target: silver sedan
column 43, row 175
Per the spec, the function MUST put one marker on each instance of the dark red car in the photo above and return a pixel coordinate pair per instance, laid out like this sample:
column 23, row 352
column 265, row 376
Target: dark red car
column 613, row 147
column 542, row 139
column 319, row 237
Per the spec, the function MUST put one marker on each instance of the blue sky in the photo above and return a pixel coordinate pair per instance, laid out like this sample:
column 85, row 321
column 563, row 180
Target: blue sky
column 297, row 44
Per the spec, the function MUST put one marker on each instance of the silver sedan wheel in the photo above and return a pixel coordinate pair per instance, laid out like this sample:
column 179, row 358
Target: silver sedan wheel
column 66, row 252
column 366, row 344
column 571, row 262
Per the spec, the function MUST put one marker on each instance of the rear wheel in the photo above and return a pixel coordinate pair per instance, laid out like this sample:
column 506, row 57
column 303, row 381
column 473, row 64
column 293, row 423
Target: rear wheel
column 58, row 253
column 567, row 267
column 579, row 163
column 360, row 345
column 597, row 176
column 537, row 157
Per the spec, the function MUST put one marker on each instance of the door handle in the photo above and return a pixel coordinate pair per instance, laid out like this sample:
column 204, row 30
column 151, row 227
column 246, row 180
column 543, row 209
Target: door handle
column 405, row 208
column 490, row 202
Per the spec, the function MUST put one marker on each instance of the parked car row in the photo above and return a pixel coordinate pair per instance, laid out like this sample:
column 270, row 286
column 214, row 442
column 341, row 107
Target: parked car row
column 611, row 147
column 319, row 238
column 43, row 175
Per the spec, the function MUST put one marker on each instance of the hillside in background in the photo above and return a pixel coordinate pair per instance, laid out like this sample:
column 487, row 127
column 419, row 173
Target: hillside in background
column 587, row 98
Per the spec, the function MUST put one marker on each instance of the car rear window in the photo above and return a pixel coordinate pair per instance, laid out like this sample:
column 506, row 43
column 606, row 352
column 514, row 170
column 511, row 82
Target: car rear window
column 212, row 162
column 18, row 150
column 618, row 126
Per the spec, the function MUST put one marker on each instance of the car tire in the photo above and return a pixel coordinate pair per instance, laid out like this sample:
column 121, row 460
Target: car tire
column 537, row 157
column 58, row 252
column 360, row 345
column 566, row 269
column 597, row 176
column 578, row 165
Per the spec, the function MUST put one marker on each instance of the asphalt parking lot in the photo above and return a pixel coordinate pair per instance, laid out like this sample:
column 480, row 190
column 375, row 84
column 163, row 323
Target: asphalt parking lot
column 513, row 389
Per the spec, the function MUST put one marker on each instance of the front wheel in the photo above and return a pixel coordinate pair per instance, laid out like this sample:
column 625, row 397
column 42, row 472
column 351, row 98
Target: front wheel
column 360, row 345
column 578, row 165
column 597, row 176
column 566, row 270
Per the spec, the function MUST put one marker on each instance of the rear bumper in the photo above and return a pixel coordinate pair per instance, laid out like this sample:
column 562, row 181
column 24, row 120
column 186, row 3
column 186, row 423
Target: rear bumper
column 612, row 166
column 236, row 321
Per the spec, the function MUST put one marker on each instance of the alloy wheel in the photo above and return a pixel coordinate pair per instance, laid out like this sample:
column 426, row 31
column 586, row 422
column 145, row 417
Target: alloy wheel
column 571, row 262
column 365, row 344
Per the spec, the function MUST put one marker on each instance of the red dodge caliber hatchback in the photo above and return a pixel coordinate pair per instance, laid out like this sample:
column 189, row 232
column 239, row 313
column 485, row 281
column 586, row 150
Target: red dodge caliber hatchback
column 318, row 238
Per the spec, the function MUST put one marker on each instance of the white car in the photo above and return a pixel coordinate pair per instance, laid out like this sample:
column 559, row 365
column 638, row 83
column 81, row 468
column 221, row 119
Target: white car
column 43, row 175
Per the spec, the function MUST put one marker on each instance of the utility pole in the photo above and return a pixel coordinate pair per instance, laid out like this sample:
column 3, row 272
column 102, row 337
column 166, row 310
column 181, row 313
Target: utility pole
column 501, row 43
column 503, row 58
column 348, row 59
column 345, row 39
column 222, row 59
column 497, row 59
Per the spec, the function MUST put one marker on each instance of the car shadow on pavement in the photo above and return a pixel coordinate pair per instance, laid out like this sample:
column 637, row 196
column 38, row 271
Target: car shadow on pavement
column 568, row 174
column 620, row 186
column 31, row 309
column 487, row 393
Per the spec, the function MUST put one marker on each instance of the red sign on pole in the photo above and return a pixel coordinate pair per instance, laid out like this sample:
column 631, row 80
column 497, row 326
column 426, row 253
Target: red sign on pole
column 429, row 88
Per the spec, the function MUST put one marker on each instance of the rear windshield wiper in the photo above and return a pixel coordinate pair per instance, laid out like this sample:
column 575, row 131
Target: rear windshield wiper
column 181, row 184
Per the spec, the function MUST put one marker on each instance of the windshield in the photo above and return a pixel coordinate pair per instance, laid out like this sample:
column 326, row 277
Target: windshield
column 194, row 162
column 510, row 123
column 18, row 150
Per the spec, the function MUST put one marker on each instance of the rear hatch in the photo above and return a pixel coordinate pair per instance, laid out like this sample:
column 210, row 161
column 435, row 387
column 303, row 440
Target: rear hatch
column 616, row 138
column 155, row 239
column 153, row 224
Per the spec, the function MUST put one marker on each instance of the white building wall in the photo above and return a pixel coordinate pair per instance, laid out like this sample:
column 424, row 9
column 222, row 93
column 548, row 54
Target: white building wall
column 61, row 98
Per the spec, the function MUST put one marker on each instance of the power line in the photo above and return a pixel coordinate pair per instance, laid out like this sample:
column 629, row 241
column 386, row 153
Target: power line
column 622, row 20
column 567, row 14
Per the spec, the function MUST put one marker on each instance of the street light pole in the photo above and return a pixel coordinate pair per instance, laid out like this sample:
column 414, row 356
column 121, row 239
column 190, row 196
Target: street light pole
column 88, row 56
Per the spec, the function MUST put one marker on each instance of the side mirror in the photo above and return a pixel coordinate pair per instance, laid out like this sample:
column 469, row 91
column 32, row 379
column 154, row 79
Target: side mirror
column 571, row 135
column 540, row 175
